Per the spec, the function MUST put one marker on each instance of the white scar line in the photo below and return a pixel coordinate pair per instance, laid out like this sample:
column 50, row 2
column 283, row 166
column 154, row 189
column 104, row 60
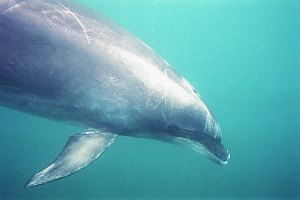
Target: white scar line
column 68, row 11
column 148, row 73
column 12, row 8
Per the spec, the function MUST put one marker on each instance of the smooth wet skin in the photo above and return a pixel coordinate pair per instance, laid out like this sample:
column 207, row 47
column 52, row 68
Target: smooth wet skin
column 69, row 65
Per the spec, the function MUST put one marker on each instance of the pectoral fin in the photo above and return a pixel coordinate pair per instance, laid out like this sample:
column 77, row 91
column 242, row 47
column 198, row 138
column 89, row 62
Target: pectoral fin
column 80, row 150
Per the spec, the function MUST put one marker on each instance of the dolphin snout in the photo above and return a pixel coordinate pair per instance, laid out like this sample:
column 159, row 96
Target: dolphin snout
column 216, row 151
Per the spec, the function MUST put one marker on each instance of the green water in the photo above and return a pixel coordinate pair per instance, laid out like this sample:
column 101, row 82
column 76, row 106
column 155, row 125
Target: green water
column 243, row 58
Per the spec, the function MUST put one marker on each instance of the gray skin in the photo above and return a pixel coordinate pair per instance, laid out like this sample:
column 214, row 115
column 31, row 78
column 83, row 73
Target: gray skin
column 65, row 64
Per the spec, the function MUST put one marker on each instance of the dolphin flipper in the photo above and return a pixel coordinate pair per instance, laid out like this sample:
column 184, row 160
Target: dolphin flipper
column 80, row 150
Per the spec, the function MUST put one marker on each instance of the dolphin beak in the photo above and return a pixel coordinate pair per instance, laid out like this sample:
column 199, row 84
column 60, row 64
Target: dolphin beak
column 222, row 160
column 212, row 148
column 216, row 151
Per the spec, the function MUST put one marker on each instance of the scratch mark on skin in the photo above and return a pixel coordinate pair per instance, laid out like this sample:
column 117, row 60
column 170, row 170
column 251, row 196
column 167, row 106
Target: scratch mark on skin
column 164, row 116
column 166, row 89
column 172, row 105
column 165, row 92
column 158, row 103
column 13, row 8
column 84, row 30
column 12, row 73
column 147, row 102
column 208, row 123
column 21, row 63
column 10, row 88
column 211, row 127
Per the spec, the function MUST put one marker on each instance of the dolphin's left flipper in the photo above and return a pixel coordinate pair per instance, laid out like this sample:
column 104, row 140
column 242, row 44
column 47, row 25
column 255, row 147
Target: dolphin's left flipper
column 80, row 150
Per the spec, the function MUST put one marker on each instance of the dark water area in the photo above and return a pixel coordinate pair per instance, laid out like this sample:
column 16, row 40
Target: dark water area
column 241, row 56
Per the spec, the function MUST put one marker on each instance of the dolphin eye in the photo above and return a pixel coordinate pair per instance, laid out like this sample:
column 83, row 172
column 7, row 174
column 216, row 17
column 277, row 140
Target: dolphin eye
column 172, row 128
column 195, row 91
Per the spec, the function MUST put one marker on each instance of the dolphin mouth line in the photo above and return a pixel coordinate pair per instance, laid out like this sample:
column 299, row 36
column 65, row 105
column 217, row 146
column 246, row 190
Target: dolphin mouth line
column 200, row 148
column 215, row 158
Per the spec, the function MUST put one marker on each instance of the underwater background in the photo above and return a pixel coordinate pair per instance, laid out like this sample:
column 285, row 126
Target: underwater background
column 241, row 56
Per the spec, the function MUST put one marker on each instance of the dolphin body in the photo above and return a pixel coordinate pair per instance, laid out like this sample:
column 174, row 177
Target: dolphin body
column 65, row 64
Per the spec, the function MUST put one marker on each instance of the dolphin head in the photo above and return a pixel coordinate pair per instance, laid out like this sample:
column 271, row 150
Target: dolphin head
column 199, row 134
column 192, row 125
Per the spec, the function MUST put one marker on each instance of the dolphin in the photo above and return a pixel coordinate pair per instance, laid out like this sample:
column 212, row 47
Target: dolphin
column 67, row 63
